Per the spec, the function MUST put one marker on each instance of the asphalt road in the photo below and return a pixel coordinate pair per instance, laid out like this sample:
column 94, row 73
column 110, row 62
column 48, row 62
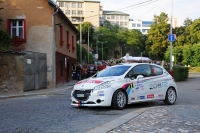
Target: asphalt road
column 53, row 113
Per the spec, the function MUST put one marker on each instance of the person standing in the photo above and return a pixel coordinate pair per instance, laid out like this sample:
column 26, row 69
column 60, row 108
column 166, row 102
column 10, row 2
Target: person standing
column 78, row 71
column 74, row 71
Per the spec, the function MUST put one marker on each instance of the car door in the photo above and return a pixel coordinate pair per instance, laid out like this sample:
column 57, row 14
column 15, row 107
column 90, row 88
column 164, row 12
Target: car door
column 159, row 84
column 140, row 85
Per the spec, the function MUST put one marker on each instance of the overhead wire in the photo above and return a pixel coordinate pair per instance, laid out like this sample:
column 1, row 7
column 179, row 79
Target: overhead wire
column 150, row 10
column 129, row 7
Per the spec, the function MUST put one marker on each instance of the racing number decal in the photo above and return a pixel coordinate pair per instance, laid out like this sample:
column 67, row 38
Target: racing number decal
column 158, row 85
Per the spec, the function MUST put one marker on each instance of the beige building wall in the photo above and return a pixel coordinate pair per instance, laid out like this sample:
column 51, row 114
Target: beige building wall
column 80, row 10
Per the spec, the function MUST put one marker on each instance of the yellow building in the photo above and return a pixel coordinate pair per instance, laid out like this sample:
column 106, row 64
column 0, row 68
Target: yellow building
column 92, row 11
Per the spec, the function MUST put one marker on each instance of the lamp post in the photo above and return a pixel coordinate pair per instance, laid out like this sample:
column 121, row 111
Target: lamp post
column 81, row 40
column 171, row 65
column 102, row 48
column 97, row 46
column 88, row 42
column 81, row 36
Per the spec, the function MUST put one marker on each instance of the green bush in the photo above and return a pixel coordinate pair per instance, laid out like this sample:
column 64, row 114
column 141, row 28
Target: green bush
column 5, row 40
column 180, row 73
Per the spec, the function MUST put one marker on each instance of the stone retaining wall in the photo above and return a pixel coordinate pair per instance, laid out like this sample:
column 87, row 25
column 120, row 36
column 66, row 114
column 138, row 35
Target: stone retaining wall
column 11, row 72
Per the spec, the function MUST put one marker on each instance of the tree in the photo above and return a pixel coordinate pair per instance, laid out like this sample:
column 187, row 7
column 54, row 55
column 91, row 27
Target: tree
column 157, row 36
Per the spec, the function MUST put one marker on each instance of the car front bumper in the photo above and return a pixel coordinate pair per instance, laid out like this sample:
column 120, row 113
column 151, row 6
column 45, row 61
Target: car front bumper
column 95, row 98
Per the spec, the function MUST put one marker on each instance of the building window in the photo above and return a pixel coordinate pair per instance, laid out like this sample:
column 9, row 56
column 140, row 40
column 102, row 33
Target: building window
column 117, row 17
column 121, row 17
column 125, row 23
column 67, row 11
column 133, row 25
column 112, row 22
column 112, row 17
column 73, row 5
column 67, row 4
column 73, row 46
column 80, row 12
column 79, row 5
column 126, row 17
column 17, row 29
column 67, row 37
column 138, row 25
column 61, row 4
column 73, row 20
column 146, row 23
column 73, row 11
column 61, row 35
column 144, row 31
column 108, row 16
column 117, row 22
column 121, row 23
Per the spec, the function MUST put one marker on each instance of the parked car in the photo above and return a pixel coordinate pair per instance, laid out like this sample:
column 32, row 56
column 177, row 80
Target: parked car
column 124, row 84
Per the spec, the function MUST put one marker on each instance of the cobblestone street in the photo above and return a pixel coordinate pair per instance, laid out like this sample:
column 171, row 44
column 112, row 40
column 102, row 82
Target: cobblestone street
column 167, row 119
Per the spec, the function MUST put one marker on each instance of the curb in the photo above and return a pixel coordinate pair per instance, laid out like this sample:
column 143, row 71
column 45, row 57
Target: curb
column 119, row 121
column 25, row 94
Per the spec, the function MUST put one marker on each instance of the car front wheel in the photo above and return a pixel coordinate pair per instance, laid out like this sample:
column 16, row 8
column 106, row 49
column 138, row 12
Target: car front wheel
column 170, row 97
column 119, row 100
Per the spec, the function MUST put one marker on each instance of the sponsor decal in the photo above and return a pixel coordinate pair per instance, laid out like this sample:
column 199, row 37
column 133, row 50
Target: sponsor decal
column 160, row 95
column 158, row 85
column 132, row 98
column 150, row 96
column 128, row 88
column 100, row 93
column 137, row 89
column 80, row 103
column 142, row 97
column 90, row 81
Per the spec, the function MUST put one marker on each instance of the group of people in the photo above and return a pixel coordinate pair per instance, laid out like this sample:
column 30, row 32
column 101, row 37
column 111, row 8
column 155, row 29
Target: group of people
column 82, row 71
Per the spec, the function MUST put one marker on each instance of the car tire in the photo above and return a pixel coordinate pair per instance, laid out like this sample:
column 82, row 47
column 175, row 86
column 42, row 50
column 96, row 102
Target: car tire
column 170, row 97
column 119, row 100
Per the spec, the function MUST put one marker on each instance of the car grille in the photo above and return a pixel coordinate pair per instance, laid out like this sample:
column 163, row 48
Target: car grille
column 86, row 94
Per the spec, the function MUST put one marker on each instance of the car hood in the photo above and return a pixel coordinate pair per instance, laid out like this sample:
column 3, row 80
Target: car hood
column 90, row 83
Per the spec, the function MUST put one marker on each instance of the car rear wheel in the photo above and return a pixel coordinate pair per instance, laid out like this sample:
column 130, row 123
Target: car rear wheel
column 170, row 97
column 119, row 100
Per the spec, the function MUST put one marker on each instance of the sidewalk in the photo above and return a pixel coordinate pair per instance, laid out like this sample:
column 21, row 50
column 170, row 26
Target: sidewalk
column 39, row 91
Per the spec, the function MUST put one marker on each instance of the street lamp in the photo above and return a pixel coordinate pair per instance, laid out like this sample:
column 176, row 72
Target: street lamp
column 88, row 42
column 102, row 49
column 97, row 45
column 171, row 41
column 81, row 36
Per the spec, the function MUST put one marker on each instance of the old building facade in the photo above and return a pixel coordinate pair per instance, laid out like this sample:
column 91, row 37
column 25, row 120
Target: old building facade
column 40, row 26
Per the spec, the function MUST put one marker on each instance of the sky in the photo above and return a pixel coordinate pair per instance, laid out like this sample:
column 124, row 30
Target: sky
column 146, row 9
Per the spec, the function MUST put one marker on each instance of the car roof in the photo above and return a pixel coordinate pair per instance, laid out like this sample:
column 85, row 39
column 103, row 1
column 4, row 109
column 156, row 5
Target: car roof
column 134, row 64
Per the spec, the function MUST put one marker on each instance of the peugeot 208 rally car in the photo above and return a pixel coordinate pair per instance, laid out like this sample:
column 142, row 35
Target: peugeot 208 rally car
column 124, row 84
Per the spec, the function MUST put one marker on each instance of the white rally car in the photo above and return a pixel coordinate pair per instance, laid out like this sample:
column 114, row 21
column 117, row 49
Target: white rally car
column 125, row 84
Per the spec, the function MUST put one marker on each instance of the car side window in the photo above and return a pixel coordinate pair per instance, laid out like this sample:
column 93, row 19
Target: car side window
column 129, row 74
column 143, row 70
column 156, row 71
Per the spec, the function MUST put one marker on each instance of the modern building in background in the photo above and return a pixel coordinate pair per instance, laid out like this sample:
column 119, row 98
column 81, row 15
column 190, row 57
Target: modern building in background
column 116, row 17
column 92, row 11
column 142, row 26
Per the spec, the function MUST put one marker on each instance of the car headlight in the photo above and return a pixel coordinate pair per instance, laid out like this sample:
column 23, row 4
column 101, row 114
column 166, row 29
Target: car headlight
column 103, row 85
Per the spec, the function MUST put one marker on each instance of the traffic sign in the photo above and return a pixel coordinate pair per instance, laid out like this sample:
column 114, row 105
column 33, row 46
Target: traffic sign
column 171, row 37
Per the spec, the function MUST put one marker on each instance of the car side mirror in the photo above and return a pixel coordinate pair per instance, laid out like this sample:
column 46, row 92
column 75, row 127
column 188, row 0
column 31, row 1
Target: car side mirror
column 139, row 77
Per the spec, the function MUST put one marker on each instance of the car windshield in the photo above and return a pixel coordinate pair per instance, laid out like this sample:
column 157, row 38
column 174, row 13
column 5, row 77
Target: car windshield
column 113, row 71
